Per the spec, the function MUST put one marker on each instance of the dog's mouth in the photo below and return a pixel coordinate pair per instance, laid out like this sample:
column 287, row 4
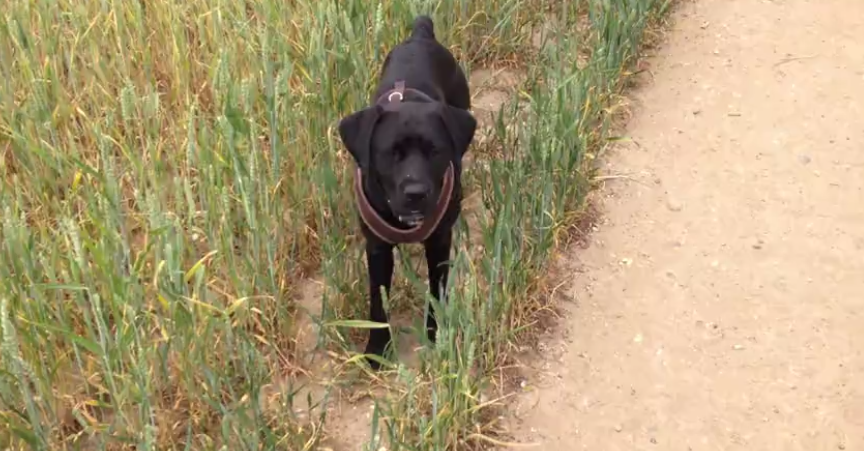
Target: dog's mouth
column 412, row 219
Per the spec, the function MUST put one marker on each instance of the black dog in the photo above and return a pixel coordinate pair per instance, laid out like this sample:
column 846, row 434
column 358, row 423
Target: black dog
column 408, row 147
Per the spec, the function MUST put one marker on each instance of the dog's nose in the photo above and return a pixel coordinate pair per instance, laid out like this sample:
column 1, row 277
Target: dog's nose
column 416, row 192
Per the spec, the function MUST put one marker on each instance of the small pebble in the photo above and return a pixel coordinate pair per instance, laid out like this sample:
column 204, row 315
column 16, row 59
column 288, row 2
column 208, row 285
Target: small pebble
column 618, row 428
column 738, row 347
column 674, row 205
column 804, row 159
column 758, row 244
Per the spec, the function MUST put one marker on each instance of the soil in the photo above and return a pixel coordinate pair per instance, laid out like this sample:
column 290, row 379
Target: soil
column 720, row 305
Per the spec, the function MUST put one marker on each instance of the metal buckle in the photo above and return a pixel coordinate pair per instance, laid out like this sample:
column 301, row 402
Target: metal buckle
column 390, row 97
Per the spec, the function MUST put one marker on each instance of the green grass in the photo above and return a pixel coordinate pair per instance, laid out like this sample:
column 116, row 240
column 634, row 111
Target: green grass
column 171, row 171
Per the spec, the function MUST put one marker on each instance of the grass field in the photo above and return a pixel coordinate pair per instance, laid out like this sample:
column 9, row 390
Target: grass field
column 171, row 173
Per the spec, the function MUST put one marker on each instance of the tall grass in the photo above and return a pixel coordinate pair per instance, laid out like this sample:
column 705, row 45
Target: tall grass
column 170, row 172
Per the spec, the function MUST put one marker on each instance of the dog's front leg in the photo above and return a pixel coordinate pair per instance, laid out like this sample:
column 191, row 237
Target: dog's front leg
column 437, row 255
column 379, row 258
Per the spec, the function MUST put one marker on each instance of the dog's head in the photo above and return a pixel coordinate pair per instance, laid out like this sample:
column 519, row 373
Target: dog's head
column 407, row 149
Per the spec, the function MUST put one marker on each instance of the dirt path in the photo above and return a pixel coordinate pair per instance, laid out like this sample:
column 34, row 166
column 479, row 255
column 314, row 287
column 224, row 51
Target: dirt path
column 721, row 303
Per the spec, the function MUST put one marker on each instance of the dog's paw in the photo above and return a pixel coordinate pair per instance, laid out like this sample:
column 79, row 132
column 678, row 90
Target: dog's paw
column 374, row 352
column 431, row 334
column 431, row 328
column 374, row 363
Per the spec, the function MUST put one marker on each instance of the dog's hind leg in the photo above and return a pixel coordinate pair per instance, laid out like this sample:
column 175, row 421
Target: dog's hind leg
column 379, row 257
column 437, row 261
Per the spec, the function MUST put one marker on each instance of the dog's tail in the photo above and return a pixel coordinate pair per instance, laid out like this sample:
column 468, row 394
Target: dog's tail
column 423, row 28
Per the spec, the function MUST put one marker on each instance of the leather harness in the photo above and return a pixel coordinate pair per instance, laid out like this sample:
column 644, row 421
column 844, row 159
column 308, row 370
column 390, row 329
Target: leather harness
column 373, row 220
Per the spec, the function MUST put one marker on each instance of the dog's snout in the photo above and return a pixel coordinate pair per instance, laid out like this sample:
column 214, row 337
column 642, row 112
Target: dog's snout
column 415, row 191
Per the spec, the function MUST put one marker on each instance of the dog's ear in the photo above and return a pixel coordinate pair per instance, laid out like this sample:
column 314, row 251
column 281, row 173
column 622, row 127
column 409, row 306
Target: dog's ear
column 356, row 133
column 461, row 125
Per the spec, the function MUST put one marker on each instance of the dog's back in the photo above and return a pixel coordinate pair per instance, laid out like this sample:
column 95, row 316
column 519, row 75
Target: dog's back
column 424, row 64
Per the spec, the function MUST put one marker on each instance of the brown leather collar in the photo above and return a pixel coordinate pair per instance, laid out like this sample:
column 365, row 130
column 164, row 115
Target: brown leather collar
column 393, row 98
column 416, row 234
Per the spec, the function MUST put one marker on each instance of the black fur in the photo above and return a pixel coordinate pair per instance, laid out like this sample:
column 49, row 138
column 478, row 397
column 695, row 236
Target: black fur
column 408, row 151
